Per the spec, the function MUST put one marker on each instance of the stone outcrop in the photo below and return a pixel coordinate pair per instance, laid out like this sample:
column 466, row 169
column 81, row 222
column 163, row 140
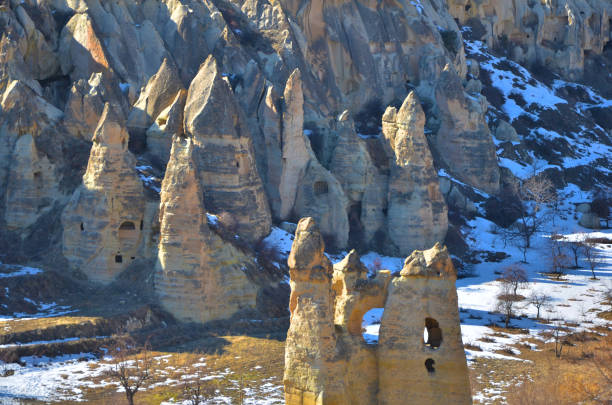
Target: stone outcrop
column 419, row 358
column 162, row 99
column 306, row 187
column 199, row 277
column 463, row 140
column 417, row 214
column 558, row 35
column 362, row 182
column 32, row 185
column 223, row 153
column 104, row 220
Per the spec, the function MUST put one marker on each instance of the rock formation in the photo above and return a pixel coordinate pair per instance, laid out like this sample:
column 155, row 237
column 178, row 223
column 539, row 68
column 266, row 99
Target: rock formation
column 419, row 358
column 306, row 187
column 199, row 277
column 223, row 153
column 417, row 214
column 104, row 220
column 558, row 35
column 32, row 185
column 464, row 141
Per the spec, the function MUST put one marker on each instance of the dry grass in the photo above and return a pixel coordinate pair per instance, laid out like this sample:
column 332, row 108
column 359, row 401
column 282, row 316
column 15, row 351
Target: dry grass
column 583, row 374
column 250, row 360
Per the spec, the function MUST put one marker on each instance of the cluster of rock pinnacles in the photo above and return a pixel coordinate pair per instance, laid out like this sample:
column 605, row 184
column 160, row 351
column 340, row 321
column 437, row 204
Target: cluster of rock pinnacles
column 327, row 361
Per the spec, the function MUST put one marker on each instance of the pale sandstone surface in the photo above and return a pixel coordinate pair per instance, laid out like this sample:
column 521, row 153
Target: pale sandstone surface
column 223, row 152
column 199, row 277
column 104, row 220
column 557, row 34
column 417, row 216
column 327, row 362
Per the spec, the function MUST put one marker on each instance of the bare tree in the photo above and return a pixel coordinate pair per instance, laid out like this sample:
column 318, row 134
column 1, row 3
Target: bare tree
column 591, row 256
column 532, row 195
column 506, row 302
column 576, row 247
column 131, row 366
column 514, row 276
column 559, row 261
column 539, row 300
column 198, row 391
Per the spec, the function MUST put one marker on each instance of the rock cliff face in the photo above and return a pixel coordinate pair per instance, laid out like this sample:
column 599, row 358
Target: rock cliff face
column 326, row 359
column 417, row 216
column 560, row 35
column 104, row 220
column 282, row 105
column 199, row 277
column 224, row 153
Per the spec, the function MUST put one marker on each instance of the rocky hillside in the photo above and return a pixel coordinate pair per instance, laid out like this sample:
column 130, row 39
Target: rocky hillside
column 171, row 135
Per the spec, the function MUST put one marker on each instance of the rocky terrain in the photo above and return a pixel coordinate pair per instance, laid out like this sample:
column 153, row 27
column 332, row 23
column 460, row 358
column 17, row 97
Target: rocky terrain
column 156, row 156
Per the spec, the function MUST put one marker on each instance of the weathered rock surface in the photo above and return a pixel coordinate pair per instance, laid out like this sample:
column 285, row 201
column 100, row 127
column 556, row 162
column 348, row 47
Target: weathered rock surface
column 199, row 277
column 158, row 95
column 464, row 141
column 326, row 359
column 223, row 152
column 306, row 187
column 558, row 35
column 427, row 286
column 32, row 185
column 417, row 214
column 104, row 220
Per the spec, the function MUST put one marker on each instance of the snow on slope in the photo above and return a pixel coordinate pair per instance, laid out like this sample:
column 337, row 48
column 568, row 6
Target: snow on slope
column 554, row 122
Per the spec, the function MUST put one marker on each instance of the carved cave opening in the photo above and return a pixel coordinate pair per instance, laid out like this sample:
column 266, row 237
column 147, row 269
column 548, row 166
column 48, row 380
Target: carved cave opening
column 356, row 232
column 429, row 365
column 118, row 259
column 432, row 334
column 320, row 188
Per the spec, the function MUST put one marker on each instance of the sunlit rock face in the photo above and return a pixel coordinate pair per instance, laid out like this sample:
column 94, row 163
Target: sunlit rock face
column 104, row 220
column 327, row 360
column 558, row 35
column 198, row 276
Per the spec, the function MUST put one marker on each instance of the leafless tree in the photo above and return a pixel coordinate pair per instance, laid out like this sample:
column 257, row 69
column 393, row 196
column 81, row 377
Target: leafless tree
column 559, row 261
column 131, row 366
column 533, row 195
column 506, row 302
column 514, row 276
column 591, row 256
column 198, row 391
column 539, row 300
column 576, row 247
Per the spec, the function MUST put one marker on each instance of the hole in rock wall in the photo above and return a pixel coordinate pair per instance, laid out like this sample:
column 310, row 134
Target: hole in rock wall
column 38, row 180
column 370, row 325
column 429, row 365
column 82, row 227
column 127, row 225
column 141, row 224
column 320, row 188
column 432, row 334
column 118, row 259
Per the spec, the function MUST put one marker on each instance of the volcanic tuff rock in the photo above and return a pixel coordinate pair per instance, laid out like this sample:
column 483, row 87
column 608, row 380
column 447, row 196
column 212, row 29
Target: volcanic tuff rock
column 556, row 34
column 326, row 359
column 223, row 153
column 265, row 120
column 464, row 141
column 199, row 277
column 104, row 220
column 417, row 216
column 306, row 187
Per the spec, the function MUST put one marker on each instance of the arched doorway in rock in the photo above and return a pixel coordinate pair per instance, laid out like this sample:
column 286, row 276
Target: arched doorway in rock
column 432, row 334
column 370, row 325
column 128, row 236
